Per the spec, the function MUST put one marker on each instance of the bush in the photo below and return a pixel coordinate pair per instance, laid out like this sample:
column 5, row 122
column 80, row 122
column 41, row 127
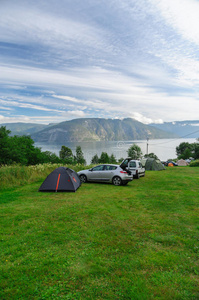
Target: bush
column 194, row 163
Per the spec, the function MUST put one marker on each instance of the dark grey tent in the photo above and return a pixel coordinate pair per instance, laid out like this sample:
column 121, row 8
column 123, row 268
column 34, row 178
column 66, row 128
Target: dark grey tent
column 152, row 164
column 61, row 180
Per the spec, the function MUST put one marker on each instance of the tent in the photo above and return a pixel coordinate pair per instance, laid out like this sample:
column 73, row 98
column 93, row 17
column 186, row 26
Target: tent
column 61, row 180
column 152, row 164
column 182, row 162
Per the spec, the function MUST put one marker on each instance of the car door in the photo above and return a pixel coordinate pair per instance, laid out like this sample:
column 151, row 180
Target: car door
column 133, row 167
column 95, row 173
column 107, row 173
column 125, row 164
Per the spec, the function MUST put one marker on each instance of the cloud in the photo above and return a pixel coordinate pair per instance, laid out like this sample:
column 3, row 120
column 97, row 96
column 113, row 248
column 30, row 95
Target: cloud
column 15, row 119
column 182, row 15
column 100, row 59
column 21, row 104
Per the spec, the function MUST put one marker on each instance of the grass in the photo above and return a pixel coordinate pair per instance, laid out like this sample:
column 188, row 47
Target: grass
column 140, row 241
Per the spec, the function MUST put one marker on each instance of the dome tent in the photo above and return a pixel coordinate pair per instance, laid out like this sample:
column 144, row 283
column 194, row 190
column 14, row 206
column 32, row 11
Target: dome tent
column 152, row 164
column 182, row 162
column 61, row 180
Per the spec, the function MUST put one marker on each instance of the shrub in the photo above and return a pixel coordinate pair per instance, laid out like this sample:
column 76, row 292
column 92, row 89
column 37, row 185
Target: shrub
column 194, row 163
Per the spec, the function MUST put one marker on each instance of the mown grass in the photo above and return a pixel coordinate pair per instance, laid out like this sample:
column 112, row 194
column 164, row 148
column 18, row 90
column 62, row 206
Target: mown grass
column 139, row 241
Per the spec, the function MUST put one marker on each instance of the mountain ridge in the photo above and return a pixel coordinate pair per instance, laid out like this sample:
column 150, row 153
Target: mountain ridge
column 102, row 129
column 181, row 128
column 95, row 129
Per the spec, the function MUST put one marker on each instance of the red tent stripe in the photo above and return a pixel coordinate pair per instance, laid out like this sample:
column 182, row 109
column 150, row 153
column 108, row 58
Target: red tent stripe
column 58, row 182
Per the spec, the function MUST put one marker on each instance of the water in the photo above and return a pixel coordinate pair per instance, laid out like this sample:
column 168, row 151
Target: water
column 163, row 148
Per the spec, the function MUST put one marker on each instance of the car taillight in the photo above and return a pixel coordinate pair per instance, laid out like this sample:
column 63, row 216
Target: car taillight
column 124, row 172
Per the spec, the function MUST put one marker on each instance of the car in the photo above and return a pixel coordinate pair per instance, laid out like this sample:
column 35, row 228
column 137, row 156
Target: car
column 134, row 166
column 106, row 173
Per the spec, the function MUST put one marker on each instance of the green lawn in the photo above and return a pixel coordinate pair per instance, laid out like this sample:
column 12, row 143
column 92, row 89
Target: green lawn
column 139, row 241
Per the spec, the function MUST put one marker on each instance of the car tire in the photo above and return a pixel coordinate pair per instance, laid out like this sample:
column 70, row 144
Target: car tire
column 117, row 180
column 83, row 178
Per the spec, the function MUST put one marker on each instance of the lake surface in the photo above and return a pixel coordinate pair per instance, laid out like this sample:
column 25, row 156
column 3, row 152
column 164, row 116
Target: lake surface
column 163, row 148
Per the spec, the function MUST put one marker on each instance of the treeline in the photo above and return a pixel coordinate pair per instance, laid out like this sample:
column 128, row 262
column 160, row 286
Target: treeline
column 21, row 150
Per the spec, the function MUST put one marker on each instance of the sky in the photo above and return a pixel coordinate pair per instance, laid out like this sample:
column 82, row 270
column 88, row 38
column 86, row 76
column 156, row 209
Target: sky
column 67, row 59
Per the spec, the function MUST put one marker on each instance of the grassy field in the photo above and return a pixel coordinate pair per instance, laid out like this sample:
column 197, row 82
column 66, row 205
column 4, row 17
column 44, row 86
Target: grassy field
column 139, row 241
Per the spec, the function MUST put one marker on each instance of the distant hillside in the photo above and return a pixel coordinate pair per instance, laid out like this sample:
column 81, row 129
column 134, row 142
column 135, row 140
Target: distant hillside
column 181, row 128
column 97, row 129
column 23, row 128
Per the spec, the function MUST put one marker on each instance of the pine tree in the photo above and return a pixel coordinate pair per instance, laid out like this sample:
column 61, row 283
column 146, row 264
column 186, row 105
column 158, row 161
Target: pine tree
column 80, row 156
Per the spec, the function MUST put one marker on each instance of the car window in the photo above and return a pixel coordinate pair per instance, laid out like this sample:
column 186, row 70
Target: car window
column 140, row 165
column 132, row 164
column 98, row 168
column 125, row 163
column 109, row 168
column 113, row 168
column 106, row 168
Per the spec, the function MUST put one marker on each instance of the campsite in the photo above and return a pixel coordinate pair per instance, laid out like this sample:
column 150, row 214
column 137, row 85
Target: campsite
column 139, row 241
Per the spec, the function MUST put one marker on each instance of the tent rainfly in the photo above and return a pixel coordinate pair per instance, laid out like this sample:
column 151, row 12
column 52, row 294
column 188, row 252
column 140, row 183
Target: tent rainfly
column 182, row 162
column 61, row 180
column 152, row 164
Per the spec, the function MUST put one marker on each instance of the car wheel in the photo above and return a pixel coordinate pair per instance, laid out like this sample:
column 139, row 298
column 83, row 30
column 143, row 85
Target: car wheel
column 138, row 176
column 83, row 178
column 117, row 180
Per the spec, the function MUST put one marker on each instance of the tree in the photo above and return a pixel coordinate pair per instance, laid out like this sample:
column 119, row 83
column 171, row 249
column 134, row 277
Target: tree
column 4, row 145
column 21, row 150
column 49, row 157
column 104, row 158
column 112, row 159
column 95, row 159
column 196, row 150
column 134, row 152
column 80, row 156
column 151, row 155
column 66, row 154
column 187, row 150
column 183, row 150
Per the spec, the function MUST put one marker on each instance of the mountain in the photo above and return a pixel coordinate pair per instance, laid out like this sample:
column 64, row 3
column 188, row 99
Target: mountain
column 98, row 129
column 24, row 128
column 181, row 128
